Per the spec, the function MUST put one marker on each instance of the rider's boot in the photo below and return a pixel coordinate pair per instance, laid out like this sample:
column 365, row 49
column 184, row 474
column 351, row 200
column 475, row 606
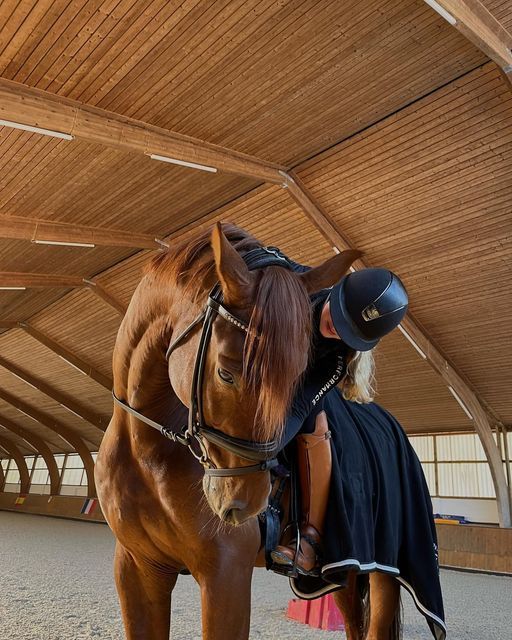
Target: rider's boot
column 314, row 468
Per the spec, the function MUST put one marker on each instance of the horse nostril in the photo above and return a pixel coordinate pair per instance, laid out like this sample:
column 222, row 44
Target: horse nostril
column 229, row 515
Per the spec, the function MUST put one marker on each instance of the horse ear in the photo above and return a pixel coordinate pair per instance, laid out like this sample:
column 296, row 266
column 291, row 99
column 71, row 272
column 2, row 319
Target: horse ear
column 330, row 272
column 236, row 280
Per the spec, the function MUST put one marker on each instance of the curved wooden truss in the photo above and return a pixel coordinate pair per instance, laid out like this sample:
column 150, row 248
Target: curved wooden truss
column 41, row 448
column 64, row 432
column 21, row 463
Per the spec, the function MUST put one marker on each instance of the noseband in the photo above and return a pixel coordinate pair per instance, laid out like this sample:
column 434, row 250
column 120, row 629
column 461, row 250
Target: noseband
column 197, row 431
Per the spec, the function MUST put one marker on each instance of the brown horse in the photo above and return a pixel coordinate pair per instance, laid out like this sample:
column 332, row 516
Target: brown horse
column 152, row 490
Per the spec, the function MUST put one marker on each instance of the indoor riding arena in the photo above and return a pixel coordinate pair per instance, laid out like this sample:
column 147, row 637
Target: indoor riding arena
column 127, row 129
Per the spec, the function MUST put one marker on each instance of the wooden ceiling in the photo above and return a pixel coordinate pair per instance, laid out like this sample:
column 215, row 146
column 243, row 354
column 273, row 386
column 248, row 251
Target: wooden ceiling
column 396, row 124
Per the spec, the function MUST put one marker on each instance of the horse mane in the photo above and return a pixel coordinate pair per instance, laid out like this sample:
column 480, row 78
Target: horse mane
column 190, row 261
column 278, row 342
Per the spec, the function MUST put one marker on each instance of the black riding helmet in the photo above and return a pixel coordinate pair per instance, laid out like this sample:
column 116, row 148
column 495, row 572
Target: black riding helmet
column 366, row 305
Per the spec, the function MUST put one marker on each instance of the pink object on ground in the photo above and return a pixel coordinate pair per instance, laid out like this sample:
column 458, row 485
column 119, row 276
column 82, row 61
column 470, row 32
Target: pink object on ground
column 321, row 613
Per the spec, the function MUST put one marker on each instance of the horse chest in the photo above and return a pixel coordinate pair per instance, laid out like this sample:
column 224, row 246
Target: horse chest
column 147, row 505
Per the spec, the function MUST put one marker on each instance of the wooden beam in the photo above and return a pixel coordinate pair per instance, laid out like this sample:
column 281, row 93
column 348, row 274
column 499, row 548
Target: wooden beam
column 73, row 439
column 34, row 107
column 432, row 355
column 35, row 230
column 39, row 280
column 100, row 422
column 479, row 26
column 40, row 446
column 314, row 213
column 106, row 296
column 19, row 458
column 66, row 355
column 50, row 280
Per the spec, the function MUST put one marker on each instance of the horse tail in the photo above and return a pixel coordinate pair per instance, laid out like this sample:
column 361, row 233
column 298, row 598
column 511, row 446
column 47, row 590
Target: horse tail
column 363, row 590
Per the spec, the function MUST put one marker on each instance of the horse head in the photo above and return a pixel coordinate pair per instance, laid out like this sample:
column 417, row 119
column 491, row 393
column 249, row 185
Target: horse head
column 250, row 376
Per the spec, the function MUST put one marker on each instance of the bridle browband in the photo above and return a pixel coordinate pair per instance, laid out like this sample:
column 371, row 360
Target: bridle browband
column 196, row 431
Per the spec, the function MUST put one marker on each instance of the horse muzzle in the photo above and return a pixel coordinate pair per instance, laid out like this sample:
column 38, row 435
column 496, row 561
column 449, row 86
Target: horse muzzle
column 234, row 502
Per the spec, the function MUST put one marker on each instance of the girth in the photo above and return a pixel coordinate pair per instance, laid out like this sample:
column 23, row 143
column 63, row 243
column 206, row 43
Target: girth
column 197, row 431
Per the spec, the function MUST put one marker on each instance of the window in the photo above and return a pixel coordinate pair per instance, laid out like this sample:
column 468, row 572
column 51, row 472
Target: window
column 73, row 470
column 454, row 465
column 40, row 474
column 13, row 475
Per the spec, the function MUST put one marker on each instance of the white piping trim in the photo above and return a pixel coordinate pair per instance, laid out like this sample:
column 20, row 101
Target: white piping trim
column 369, row 566
column 312, row 596
column 423, row 609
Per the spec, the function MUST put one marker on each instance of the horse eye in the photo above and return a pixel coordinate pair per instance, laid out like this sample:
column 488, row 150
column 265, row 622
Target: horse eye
column 225, row 376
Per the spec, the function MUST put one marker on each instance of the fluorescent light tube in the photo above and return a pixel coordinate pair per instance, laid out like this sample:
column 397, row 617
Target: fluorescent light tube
column 71, row 411
column 72, row 365
column 26, row 414
column 25, row 381
column 65, row 244
column 463, row 406
column 43, row 132
column 183, row 163
column 13, row 288
column 422, row 354
column 442, row 12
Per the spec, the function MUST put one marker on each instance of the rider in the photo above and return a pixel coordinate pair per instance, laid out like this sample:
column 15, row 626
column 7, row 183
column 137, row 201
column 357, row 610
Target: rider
column 348, row 322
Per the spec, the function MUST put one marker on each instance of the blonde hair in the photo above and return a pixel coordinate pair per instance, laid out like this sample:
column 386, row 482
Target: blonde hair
column 358, row 383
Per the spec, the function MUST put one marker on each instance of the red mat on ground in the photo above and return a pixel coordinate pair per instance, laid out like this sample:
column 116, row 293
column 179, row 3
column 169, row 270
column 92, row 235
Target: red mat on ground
column 321, row 613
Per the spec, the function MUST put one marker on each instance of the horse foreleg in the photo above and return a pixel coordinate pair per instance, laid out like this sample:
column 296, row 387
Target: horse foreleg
column 350, row 604
column 145, row 597
column 226, row 602
column 384, row 603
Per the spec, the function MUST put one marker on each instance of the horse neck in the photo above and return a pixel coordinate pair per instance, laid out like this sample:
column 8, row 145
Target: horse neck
column 139, row 364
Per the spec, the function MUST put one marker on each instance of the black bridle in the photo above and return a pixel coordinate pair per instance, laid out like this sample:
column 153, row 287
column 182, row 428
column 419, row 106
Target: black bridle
column 197, row 431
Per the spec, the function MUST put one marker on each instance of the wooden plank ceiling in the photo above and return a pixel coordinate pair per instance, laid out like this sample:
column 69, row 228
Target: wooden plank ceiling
column 501, row 10
column 395, row 122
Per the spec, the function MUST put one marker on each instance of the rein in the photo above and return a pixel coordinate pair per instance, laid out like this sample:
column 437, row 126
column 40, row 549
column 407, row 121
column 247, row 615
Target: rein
column 197, row 431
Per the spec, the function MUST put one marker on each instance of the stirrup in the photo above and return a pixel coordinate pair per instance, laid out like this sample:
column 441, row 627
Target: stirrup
column 285, row 565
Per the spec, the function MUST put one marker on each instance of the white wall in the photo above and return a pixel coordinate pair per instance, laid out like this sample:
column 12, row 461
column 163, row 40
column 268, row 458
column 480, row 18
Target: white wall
column 473, row 509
